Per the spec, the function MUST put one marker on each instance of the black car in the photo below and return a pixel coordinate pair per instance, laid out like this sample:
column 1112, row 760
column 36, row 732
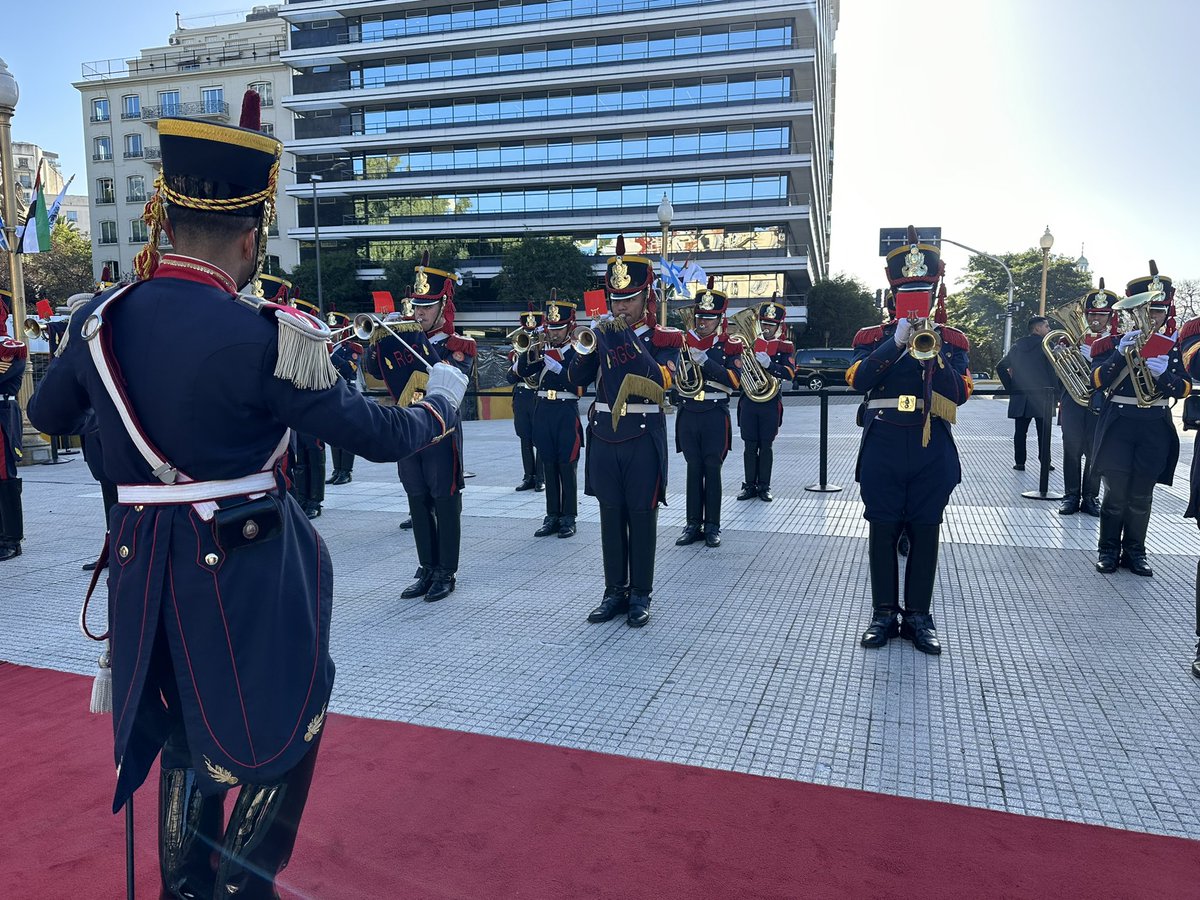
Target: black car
column 819, row 366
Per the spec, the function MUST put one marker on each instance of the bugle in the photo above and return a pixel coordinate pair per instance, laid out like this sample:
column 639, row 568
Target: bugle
column 1137, row 307
column 1061, row 347
column 757, row 383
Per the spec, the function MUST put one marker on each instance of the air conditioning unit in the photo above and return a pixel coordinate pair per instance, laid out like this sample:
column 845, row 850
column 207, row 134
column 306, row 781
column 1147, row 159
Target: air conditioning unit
column 173, row 41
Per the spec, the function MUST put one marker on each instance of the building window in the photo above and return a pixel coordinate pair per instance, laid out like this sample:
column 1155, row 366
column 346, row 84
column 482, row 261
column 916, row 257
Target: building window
column 267, row 128
column 25, row 180
column 22, row 162
column 137, row 231
column 72, row 216
column 133, row 146
column 113, row 266
column 100, row 110
column 213, row 100
column 265, row 92
column 131, row 106
column 168, row 103
column 102, row 149
column 104, row 191
column 271, row 265
column 108, row 232
column 135, row 187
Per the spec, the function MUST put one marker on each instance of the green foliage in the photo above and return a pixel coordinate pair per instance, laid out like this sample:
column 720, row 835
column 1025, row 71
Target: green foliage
column 398, row 274
column 63, row 270
column 978, row 309
column 340, row 286
column 837, row 308
column 536, row 265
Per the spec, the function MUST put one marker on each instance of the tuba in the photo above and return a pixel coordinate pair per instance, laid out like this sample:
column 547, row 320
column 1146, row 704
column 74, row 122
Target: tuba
column 757, row 383
column 1061, row 346
column 1145, row 388
column 689, row 379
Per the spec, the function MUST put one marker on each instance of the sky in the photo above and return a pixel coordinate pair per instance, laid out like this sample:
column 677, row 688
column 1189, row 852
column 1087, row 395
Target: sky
column 989, row 118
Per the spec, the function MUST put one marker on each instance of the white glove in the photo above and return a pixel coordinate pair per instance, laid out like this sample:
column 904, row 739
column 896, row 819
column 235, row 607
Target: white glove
column 1128, row 340
column 1157, row 365
column 904, row 330
column 763, row 358
column 699, row 357
column 447, row 381
column 552, row 364
column 514, row 366
column 1085, row 350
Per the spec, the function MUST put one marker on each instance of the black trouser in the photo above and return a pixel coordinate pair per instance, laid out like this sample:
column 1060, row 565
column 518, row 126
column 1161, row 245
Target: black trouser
column 562, row 500
column 1079, row 478
column 1021, row 435
column 1125, row 513
column 12, row 515
column 758, row 458
column 919, row 573
column 343, row 460
column 437, row 531
column 627, row 539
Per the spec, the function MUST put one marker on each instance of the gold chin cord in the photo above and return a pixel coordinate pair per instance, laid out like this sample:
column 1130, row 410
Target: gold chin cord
column 1061, row 346
column 1137, row 307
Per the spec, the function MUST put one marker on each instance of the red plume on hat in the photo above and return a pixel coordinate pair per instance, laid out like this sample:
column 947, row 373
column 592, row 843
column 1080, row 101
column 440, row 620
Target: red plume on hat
column 251, row 111
column 620, row 245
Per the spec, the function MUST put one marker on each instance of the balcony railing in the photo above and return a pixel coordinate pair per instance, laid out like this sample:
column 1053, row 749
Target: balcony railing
column 136, row 198
column 217, row 109
column 134, row 154
column 187, row 59
column 153, row 153
column 105, row 201
column 107, row 239
column 128, row 114
column 103, row 118
column 101, row 157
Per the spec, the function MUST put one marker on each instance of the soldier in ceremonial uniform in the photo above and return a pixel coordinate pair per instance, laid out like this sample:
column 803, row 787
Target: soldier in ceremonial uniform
column 633, row 362
column 524, row 396
column 433, row 478
column 1189, row 346
column 702, row 430
column 759, row 421
column 346, row 358
column 907, row 462
column 557, row 434
column 308, row 452
column 1081, row 482
column 219, row 588
column 14, row 356
column 1136, row 444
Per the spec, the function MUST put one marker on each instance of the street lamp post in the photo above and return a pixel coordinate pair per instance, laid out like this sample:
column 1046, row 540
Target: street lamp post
column 314, row 180
column 665, row 213
column 1009, row 309
column 35, row 449
column 1045, row 242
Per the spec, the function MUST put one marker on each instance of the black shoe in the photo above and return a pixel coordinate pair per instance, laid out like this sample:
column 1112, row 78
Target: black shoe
column 420, row 587
column 312, row 510
column 539, row 486
column 1196, row 663
column 1106, row 562
column 712, row 536
column 566, row 527
column 918, row 628
column 1052, row 469
column 1069, row 506
column 347, row 476
column 1136, row 564
column 615, row 603
column 442, row 587
column 764, row 493
column 1090, row 506
column 468, row 474
column 9, row 551
column 1019, row 467
column 639, row 611
column 691, row 534
column 526, row 485
column 333, row 479
column 884, row 626
column 549, row 527
column 89, row 567
column 749, row 491
column 407, row 524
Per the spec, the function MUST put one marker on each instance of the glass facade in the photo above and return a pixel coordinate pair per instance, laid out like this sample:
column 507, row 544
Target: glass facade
column 592, row 112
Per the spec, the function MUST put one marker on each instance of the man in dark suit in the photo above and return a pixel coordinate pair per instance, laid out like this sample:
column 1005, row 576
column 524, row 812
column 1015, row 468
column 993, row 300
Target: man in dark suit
column 1027, row 372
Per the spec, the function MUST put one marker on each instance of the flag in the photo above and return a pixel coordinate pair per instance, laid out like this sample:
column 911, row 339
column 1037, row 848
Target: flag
column 52, row 214
column 384, row 303
column 595, row 303
column 35, row 236
column 692, row 272
column 669, row 272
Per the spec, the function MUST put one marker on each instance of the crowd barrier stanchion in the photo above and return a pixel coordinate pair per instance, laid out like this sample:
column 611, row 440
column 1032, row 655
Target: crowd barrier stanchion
column 823, row 486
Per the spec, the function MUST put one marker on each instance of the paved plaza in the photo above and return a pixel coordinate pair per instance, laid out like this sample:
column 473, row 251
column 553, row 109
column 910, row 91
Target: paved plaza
column 1061, row 693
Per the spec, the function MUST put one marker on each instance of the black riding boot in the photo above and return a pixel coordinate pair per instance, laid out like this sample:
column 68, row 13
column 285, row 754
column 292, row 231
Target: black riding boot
column 694, row 530
column 262, row 832
column 1112, row 513
column 553, row 501
column 643, row 533
column 449, row 539
column 1135, row 524
column 528, row 464
column 750, row 463
column 614, row 551
column 885, row 583
column 316, row 481
column 424, row 529
column 569, row 504
column 12, row 518
column 189, row 831
column 1091, row 489
column 766, row 461
column 712, row 504
column 919, row 575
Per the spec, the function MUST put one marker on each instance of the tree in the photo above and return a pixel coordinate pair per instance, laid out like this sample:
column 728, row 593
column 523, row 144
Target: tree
column 1187, row 299
column 398, row 274
column 63, row 270
column 837, row 308
column 536, row 265
column 340, row 286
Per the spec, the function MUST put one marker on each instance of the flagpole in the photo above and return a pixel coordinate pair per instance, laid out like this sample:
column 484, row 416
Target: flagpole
column 35, row 449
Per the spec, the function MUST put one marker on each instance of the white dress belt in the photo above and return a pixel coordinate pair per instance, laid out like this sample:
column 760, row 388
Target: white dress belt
column 1133, row 401
column 195, row 491
column 557, row 395
column 631, row 408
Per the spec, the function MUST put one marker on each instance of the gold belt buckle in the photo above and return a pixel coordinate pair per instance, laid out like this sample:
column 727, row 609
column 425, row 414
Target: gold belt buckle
column 700, row 396
column 417, row 397
column 551, row 395
column 907, row 403
column 624, row 409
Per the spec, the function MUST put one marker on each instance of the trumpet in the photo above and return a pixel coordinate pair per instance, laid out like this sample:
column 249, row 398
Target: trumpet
column 583, row 340
column 1072, row 371
column 925, row 342
column 525, row 342
column 1145, row 388
column 757, row 383
column 35, row 328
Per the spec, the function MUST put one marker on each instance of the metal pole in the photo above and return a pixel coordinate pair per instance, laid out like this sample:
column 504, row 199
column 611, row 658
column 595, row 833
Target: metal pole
column 317, row 241
column 823, row 486
column 1009, row 311
column 1045, row 265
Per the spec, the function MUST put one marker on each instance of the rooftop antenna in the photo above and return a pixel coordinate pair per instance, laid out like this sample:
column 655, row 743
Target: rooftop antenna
column 178, row 22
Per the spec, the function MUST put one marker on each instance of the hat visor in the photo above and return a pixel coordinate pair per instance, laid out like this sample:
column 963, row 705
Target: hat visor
column 625, row 294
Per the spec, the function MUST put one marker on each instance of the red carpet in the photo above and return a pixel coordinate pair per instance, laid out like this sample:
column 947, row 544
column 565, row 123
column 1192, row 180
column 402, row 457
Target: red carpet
column 403, row 811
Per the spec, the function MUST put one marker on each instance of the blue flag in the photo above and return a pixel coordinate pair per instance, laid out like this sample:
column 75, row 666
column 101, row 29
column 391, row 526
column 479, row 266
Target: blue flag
column 670, row 273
